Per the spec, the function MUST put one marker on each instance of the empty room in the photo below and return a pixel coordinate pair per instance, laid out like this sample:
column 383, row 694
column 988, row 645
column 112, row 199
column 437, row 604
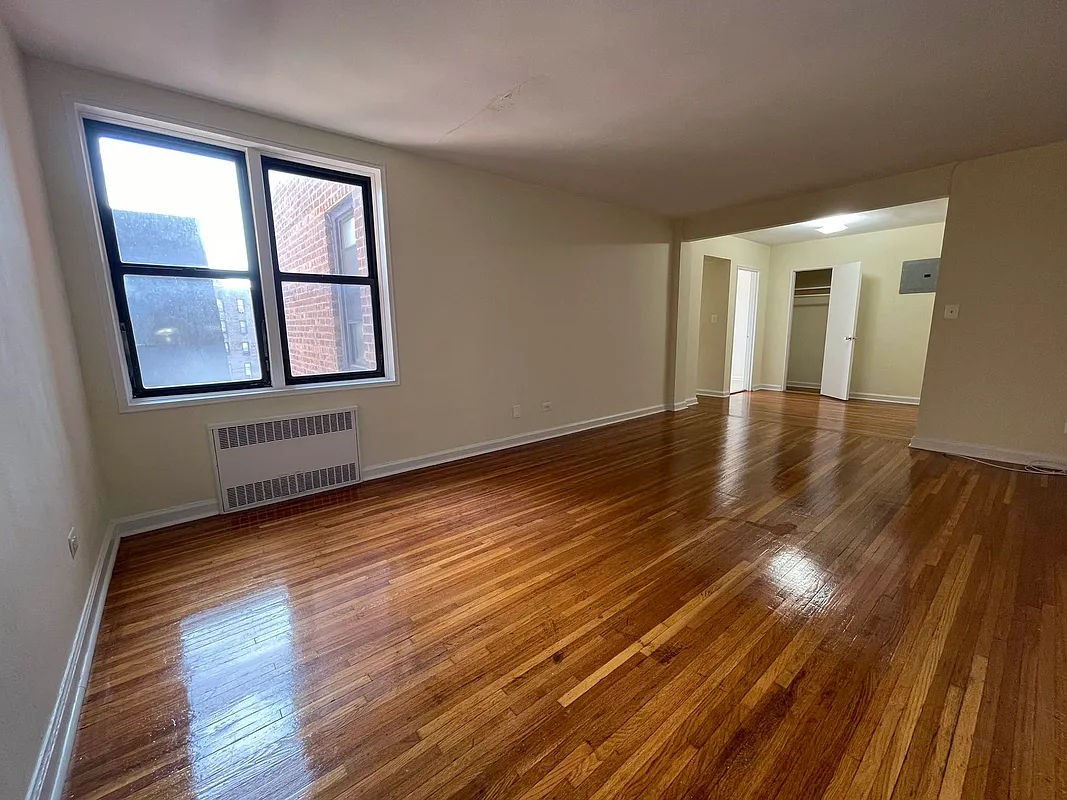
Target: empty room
column 492, row 399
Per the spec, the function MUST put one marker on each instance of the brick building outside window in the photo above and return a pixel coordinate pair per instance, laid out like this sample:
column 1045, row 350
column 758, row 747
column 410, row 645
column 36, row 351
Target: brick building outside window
column 319, row 229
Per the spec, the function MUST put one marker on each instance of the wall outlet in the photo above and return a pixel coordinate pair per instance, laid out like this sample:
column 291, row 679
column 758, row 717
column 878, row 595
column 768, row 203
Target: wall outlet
column 72, row 543
column 516, row 411
column 952, row 312
column 546, row 405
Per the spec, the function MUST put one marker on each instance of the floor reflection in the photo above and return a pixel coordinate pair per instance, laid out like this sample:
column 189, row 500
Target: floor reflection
column 238, row 663
column 795, row 573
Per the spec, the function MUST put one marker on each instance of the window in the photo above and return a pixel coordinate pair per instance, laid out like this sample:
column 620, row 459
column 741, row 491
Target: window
column 187, row 276
column 321, row 227
column 177, row 226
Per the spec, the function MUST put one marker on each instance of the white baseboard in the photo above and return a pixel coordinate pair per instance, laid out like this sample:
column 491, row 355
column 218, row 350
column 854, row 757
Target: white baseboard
column 200, row 509
column 984, row 451
column 468, row 451
column 689, row 402
column 711, row 393
column 767, row 387
column 154, row 520
column 884, row 398
column 877, row 398
column 50, row 774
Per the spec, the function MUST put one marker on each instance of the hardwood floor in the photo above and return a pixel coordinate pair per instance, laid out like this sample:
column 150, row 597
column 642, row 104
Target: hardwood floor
column 768, row 596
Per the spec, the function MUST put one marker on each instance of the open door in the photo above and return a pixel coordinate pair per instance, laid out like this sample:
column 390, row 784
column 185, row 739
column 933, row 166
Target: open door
column 841, row 330
column 747, row 289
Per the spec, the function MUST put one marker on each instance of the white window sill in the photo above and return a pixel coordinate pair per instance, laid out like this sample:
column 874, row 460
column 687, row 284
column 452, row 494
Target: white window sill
column 129, row 405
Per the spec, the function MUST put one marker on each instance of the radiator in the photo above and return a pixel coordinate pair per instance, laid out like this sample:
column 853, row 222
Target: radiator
column 266, row 460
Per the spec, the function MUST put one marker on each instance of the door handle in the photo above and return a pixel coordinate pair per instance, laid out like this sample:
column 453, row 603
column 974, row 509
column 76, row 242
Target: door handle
column 850, row 338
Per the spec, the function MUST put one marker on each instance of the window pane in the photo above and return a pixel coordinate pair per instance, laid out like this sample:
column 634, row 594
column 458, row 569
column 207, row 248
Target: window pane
column 329, row 328
column 318, row 224
column 174, row 208
column 180, row 333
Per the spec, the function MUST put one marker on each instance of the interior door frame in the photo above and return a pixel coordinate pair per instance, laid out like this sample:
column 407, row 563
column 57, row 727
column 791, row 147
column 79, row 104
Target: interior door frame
column 789, row 317
column 750, row 355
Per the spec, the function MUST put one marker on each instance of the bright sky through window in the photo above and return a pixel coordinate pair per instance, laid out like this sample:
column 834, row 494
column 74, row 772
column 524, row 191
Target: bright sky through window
column 147, row 179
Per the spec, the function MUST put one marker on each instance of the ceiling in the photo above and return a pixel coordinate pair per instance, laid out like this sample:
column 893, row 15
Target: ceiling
column 675, row 106
column 884, row 219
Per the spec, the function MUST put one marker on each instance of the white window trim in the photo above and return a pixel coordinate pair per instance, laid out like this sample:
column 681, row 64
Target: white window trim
column 253, row 149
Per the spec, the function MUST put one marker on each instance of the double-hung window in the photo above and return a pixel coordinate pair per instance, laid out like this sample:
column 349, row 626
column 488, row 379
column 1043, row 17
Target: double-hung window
column 326, row 273
column 204, row 306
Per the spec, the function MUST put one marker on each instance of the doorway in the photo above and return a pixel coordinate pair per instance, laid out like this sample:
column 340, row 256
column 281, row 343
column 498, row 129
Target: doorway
column 822, row 318
column 744, row 332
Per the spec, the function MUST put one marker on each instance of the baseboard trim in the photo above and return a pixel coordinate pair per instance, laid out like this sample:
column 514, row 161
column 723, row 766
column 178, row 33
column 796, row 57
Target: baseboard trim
column 164, row 517
column 469, row 451
column 50, row 773
column 712, row 393
column 984, row 451
column 885, row 398
column 682, row 406
column 802, row 385
column 188, row 512
column 767, row 387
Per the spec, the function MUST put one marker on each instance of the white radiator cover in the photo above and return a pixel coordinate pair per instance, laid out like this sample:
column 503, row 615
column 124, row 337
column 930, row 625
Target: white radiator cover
column 267, row 460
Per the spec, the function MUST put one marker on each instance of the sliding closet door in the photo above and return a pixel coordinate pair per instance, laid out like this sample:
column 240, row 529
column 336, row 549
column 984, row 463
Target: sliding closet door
column 841, row 330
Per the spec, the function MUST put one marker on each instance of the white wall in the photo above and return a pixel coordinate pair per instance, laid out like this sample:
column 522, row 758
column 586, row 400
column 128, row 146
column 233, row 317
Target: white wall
column 504, row 293
column 892, row 330
column 47, row 477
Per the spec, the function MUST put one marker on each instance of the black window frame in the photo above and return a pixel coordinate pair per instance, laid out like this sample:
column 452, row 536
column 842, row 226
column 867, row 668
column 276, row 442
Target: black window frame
column 118, row 269
column 371, row 280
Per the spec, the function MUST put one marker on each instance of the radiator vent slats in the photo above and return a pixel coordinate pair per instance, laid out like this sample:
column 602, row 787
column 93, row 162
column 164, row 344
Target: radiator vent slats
column 264, row 461
column 282, row 429
column 291, row 485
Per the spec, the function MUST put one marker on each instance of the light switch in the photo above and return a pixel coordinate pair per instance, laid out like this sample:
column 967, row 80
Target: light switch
column 952, row 312
column 714, row 318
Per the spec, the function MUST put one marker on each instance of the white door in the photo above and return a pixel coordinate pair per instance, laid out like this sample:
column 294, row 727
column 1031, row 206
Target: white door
column 841, row 330
column 744, row 330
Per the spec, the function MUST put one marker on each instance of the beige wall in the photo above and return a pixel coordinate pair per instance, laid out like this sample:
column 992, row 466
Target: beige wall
column 715, row 303
column 504, row 293
column 995, row 380
column 47, row 479
column 892, row 330
column 996, row 377
column 706, row 339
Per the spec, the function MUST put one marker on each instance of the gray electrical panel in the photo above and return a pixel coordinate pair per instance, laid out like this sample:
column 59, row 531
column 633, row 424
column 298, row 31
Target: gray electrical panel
column 919, row 275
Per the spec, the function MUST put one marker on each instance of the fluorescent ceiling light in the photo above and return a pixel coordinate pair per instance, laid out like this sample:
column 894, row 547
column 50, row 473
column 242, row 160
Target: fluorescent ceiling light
column 834, row 224
column 832, row 227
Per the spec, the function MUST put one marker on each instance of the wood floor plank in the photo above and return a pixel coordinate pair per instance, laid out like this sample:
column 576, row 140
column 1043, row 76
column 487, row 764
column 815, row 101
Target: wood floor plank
column 766, row 596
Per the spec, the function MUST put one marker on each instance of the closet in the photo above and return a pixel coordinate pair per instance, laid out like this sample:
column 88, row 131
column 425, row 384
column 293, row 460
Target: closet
column 807, row 336
column 824, row 306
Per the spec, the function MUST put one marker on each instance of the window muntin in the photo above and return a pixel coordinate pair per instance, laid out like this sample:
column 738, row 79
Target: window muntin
column 321, row 225
column 176, row 220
